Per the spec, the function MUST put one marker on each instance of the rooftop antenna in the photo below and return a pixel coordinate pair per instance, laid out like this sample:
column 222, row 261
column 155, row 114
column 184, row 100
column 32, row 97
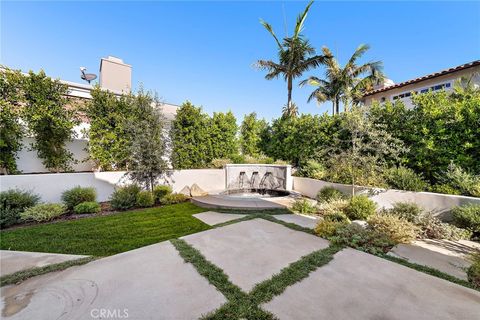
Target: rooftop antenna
column 87, row 76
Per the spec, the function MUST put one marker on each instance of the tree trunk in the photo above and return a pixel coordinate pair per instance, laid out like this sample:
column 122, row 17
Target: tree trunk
column 337, row 106
column 289, row 88
column 333, row 107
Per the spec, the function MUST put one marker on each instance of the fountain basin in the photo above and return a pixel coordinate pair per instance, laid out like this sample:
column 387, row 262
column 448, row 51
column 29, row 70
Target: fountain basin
column 255, row 193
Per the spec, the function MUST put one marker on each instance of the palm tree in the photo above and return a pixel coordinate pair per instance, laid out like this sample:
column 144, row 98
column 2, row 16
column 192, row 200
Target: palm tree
column 290, row 111
column 347, row 84
column 294, row 55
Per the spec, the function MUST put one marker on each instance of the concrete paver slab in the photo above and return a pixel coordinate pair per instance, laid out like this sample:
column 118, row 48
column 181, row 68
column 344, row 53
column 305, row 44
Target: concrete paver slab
column 14, row 261
column 447, row 256
column 252, row 251
column 356, row 285
column 152, row 282
column 302, row 221
column 212, row 218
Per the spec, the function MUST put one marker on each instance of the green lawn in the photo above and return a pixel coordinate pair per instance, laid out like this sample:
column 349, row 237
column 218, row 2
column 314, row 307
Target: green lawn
column 107, row 235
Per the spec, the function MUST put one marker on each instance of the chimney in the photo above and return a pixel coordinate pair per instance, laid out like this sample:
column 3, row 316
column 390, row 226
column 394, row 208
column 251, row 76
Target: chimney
column 115, row 75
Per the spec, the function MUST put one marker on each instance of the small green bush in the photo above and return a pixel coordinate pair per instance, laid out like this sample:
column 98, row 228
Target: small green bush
column 303, row 206
column 473, row 272
column 145, row 199
column 360, row 208
column 432, row 228
column 87, row 207
column 174, row 198
column 402, row 178
column 458, row 179
column 328, row 228
column 467, row 217
column 78, row 195
column 445, row 189
column 312, row 169
column 405, row 210
column 337, row 216
column 237, row 158
column 220, row 163
column 124, row 198
column 161, row 191
column 43, row 212
column 397, row 229
column 12, row 203
column 327, row 194
column 366, row 240
column 333, row 206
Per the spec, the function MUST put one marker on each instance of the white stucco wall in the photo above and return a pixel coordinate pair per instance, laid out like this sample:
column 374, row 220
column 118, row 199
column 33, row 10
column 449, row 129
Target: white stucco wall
column 51, row 185
column 439, row 204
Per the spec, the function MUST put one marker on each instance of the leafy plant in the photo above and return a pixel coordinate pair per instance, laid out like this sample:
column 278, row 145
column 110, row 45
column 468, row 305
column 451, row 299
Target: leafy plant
column 473, row 272
column 145, row 199
column 303, row 206
column 77, row 195
column 405, row 210
column 174, row 198
column 160, row 191
column 327, row 194
column 397, row 229
column 43, row 212
column 250, row 134
column 12, row 203
column 333, row 206
column 338, row 216
column 461, row 180
column 220, row 163
column 328, row 228
column 367, row 240
column 403, row 178
column 446, row 189
column 467, row 217
column 11, row 129
column 223, row 135
column 432, row 228
column 124, row 198
column 87, row 207
column 49, row 121
column 360, row 208
column 312, row 169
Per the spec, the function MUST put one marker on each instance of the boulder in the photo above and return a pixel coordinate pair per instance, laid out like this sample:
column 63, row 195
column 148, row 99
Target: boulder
column 196, row 191
column 185, row 191
column 361, row 223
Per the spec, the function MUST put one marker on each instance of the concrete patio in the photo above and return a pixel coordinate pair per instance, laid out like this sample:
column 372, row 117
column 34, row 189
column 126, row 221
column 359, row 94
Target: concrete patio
column 154, row 282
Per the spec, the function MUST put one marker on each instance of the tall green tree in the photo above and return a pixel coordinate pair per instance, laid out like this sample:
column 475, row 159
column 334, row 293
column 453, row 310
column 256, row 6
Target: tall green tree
column 190, row 138
column 295, row 56
column 51, row 117
column 250, row 134
column 345, row 84
column 223, row 135
column 148, row 150
column 11, row 129
column 109, row 135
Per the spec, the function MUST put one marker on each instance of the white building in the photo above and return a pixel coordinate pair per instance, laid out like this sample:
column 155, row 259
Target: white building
column 442, row 80
column 115, row 76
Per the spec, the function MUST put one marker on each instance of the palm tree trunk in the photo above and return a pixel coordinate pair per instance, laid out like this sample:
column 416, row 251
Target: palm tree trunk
column 289, row 88
column 333, row 107
column 337, row 107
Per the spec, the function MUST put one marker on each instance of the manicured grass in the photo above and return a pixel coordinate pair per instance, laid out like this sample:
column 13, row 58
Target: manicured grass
column 107, row 235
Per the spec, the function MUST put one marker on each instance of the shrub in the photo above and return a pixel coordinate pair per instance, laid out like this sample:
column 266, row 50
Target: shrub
column 78, row 195
column 161, row 191
column 220, row 163
column 124, row 198
column 43, row 212
column 360, row 208
column 87, row 207
column 405, row 210
column 303, row 205
column 473, row 272
column 328, row 228
column 467, row 217
column 174, row 198
column 397, row 229
column 333, row 206
column 445, row 189
column 367, row 240
column 461, row 180
column 405, row 179
column 312, row 169
column 145, row 199
column 12, row 203
column 326, row 194
column 432, row 228
column 337, row 216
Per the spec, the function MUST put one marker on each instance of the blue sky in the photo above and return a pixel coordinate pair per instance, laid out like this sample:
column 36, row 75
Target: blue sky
column 205, row 51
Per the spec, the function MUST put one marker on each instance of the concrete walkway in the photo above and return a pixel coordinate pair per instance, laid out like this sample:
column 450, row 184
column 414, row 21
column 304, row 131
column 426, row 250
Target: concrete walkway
column 303, row 221
column 14, row 261
column 447, row 256
column 212, row 218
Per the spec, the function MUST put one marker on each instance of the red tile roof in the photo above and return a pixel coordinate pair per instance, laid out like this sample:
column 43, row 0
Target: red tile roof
column 428, row 76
